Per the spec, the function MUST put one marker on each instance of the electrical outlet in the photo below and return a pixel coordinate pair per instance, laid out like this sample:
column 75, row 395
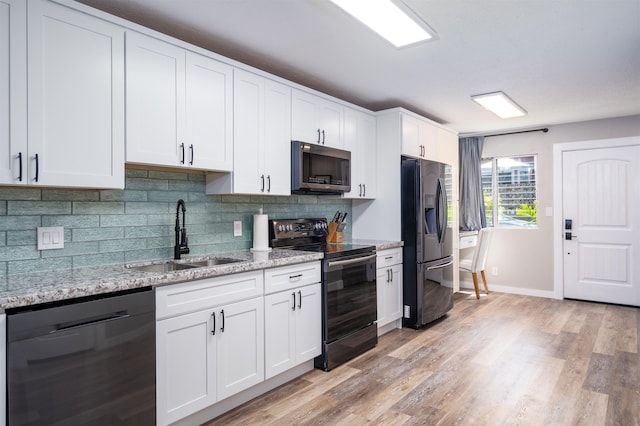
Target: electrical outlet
column 494, row 270
column 407, row 311
column 237, row 228
column 51, row 237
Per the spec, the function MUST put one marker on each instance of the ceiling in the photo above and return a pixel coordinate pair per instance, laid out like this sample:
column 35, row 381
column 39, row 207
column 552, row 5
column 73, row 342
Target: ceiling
column 562, row 60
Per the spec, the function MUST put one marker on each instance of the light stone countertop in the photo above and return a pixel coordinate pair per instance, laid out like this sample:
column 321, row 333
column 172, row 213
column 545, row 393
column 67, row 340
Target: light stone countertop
column 31, row 289
column 380, row 244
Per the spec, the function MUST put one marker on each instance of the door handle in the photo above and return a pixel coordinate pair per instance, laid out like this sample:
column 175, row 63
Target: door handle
column 568, row 236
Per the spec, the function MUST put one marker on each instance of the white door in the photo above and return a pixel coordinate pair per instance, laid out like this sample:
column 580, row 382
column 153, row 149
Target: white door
column 155, row 98
column 185, row 365
column 601, row 191
column 248, row 137
column 75, row 98
column 240, row 339
column 279, row 328
column 308, row 322
column 276, row 153
column 208, row 115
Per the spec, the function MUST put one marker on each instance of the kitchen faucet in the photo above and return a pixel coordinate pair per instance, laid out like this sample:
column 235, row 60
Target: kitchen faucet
column 182, row 242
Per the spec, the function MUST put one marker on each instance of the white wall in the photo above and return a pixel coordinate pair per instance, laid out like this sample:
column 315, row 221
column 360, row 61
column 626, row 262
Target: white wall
column 524, row 257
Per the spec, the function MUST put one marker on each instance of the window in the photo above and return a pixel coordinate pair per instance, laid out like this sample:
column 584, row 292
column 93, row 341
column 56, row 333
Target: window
column 509, row 189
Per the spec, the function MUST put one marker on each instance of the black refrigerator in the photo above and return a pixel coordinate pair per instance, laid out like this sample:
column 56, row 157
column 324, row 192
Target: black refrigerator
column 426, row 232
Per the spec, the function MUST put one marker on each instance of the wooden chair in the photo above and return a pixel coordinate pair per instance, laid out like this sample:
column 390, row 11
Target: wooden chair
column 476, row 263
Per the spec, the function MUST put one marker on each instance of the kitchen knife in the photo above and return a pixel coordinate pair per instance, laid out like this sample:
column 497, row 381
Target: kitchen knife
column 336, row 216
column 344, row 217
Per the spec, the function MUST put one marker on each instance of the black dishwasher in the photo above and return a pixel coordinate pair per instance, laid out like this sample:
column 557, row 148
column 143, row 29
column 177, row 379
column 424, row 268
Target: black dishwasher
column 84, row 361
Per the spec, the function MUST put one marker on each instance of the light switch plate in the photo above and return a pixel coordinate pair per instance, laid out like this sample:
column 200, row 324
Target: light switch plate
column 237, row 228
column 51, row 237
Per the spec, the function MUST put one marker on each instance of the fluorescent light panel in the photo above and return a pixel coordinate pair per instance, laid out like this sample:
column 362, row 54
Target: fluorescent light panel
column 387, row 19
column 499, row 104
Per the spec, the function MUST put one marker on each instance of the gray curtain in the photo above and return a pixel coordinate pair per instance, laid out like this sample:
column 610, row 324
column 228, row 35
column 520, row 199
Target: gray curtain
column 472, row 216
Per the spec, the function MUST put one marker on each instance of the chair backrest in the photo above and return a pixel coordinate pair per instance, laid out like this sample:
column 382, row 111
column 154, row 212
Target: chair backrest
column 482, row 247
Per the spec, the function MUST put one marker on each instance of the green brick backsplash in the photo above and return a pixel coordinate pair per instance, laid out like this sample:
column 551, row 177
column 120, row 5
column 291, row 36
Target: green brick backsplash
column 110, row 227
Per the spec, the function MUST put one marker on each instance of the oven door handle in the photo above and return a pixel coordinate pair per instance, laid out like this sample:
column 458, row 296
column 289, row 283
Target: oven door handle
column 351, row 262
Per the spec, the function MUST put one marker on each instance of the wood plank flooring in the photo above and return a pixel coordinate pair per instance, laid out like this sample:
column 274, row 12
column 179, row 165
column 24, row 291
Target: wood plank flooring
column 501, row 360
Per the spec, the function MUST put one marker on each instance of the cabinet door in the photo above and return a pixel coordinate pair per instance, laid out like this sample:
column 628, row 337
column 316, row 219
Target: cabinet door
column 240, row 353
column 13, row 91
column 304, row 121
column 155, row 101
column 248, row 137
column 76, row 98
column 208, row 114
column 330, row 117
column 411, row 144
column 382, row 284
column 279, row 338
column 308, row 322
column 389, row 287
column 394, row 296
column 276, row 152
column 360, row 139
column 185, row 365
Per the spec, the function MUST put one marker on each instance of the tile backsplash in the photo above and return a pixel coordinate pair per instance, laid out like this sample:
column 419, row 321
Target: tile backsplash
column 109, row 227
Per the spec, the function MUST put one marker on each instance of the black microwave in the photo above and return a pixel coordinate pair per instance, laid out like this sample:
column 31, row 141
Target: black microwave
column 318, row 169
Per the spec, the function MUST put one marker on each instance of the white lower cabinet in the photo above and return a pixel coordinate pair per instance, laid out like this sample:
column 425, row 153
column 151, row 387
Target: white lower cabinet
column 389, row 285
column 215, row 336
column 293, row 331
column 205, row 356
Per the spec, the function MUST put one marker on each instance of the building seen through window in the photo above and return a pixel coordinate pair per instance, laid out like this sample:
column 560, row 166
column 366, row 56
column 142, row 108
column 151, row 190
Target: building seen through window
column 509, row 190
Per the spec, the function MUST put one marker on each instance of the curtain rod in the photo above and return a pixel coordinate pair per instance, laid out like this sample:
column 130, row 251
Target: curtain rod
column 543, row 129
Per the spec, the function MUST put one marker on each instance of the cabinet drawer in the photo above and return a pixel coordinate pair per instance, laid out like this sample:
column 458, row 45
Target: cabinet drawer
column 389, row 257
column 177, row 299
column 287, row 277
column 468, row 241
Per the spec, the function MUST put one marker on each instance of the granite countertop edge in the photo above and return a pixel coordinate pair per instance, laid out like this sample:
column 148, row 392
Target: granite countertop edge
column 44, row 287
column 380, row 244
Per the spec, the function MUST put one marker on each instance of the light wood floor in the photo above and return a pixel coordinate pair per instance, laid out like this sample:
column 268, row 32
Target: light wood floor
column 501, row 360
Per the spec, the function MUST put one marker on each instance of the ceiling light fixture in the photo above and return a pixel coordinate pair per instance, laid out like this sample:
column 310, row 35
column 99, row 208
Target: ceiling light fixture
column 499, row 104
column 397, row 24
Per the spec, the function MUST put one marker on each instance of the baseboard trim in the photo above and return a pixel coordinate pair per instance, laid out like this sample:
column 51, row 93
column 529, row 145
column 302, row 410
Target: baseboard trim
column 549, row 294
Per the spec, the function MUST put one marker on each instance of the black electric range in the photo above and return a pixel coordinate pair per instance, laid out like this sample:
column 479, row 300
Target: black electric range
column 349, row 303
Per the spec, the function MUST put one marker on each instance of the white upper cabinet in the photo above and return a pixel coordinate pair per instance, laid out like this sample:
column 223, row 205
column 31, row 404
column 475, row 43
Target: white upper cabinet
column 418, row 137
column 75, row 102
column 360, row 139
column 179, row 106
column 13, row 91
column 316, row 120
column 209, row 118
column 262, row 139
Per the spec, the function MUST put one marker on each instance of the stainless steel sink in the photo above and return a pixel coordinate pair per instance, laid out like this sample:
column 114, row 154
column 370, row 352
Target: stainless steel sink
column 170, row 265
column 215, row 261
column 163, row 267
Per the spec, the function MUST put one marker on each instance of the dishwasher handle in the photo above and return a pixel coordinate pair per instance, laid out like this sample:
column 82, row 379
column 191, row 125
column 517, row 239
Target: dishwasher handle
column 89, row 321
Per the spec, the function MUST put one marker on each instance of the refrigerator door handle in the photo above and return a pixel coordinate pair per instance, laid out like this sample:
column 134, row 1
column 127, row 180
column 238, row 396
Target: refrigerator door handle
column 444, row 265
column 441, row 210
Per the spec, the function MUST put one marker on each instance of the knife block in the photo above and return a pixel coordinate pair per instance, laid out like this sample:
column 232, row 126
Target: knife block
column 334, row 236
